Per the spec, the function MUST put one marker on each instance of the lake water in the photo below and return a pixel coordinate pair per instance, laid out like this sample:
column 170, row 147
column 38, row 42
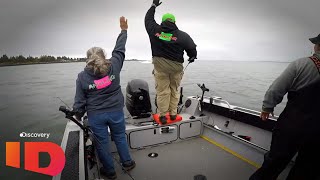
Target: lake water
column 29, row 104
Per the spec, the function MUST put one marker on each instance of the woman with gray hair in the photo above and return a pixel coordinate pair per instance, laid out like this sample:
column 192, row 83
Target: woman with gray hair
column 99, row 94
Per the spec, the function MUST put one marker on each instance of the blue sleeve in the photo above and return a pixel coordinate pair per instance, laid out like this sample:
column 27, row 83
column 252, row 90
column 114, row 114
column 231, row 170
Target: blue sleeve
column 118, row 53
column 80, row 98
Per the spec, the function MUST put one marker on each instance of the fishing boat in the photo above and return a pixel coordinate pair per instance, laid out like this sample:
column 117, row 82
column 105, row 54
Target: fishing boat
column 214, row 140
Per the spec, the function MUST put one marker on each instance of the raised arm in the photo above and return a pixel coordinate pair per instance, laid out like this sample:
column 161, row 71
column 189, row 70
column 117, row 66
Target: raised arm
column 118, row 53
column 149, row 21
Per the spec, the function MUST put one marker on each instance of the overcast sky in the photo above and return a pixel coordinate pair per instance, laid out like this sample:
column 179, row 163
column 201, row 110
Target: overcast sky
column 272, row 30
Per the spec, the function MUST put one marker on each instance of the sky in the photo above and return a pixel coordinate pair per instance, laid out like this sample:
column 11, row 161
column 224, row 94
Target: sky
column 244, row 30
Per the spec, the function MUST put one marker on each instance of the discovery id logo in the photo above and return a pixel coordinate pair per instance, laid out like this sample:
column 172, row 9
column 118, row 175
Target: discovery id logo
column 31, row 155
column 34, row 135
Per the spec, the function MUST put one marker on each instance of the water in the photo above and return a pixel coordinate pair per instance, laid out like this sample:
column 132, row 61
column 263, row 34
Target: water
column 29, row 104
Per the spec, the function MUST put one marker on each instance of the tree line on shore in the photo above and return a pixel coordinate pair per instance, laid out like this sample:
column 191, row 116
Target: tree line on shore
column 4, row 59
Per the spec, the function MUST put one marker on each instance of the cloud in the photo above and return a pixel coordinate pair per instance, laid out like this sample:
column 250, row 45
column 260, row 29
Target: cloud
column 223, row 30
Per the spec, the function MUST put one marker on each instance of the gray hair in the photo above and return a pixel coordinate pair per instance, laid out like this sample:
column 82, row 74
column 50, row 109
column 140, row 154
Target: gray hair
column 97, row 62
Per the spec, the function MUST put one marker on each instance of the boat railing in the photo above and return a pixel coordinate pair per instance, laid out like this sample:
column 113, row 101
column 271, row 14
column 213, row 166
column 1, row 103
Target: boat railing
column 216, row 98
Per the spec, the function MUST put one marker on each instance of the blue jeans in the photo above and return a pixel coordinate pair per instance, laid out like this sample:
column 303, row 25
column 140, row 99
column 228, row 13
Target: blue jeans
column 99, row 124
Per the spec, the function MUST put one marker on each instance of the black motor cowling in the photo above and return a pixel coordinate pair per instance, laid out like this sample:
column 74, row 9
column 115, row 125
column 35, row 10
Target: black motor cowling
column 138, row 98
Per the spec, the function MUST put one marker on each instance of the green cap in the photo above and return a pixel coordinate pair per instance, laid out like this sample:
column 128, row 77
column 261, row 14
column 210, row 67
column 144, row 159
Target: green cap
column 168, row 16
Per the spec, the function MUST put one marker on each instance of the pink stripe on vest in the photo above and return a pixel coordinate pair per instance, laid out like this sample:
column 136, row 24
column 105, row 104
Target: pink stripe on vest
column 102, row 83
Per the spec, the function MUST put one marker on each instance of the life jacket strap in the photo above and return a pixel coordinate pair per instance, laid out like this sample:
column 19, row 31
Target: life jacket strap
column 316, row 62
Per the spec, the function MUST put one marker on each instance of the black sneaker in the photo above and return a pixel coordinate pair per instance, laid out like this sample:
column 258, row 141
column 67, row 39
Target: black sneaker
column 173, row 117
column 129, row 165
column 109, row 175
column 163, row 120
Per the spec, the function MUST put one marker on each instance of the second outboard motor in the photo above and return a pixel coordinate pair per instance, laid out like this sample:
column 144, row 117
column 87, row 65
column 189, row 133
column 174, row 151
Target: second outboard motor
column 138, row 99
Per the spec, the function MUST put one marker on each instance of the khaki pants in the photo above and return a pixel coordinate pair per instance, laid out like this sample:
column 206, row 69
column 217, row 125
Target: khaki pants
column 168, row 75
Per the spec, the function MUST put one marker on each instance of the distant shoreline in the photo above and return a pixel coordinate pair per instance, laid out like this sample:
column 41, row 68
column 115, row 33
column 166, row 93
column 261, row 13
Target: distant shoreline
column 25, row 64
column 31, row 63
column 129, row 60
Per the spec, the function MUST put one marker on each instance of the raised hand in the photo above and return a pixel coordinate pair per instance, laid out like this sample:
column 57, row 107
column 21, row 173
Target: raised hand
column 157, row 2
column 123, row 23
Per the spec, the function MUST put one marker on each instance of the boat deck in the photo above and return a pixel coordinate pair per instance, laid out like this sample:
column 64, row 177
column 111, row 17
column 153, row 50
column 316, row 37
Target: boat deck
column 216, row 154
column 184, row 160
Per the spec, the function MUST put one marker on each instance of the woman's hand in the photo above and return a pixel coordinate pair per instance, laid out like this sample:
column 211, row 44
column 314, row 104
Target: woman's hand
column 123, row 23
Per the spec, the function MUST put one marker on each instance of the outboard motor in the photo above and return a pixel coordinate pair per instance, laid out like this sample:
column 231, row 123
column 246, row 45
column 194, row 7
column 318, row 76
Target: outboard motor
column 138, row 99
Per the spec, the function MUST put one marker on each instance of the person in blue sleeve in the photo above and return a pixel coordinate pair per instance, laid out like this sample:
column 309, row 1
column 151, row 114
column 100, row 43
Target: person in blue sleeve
column 98, row 92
